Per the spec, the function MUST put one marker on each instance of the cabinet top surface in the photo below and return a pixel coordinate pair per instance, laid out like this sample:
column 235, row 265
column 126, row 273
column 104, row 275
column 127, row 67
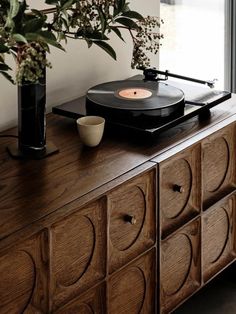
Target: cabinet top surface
column 30, row 190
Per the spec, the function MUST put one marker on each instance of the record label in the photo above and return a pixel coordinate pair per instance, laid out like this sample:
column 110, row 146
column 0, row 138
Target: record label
column 134, row 93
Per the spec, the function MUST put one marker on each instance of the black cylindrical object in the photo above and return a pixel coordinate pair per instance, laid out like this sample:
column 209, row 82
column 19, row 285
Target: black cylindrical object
column 31, row 117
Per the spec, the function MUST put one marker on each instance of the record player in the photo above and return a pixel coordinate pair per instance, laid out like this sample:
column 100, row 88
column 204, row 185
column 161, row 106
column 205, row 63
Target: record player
column 146, row 104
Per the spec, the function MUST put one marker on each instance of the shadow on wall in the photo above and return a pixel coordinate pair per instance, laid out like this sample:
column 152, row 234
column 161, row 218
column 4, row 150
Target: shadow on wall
column 171, row 1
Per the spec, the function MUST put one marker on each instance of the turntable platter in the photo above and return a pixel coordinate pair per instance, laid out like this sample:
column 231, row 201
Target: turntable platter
column 135, row 100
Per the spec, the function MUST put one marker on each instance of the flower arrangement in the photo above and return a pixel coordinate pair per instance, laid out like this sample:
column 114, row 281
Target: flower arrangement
column 27, row 33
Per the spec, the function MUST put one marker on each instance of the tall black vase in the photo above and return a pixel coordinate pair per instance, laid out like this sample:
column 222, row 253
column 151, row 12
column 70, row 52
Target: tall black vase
column 32, row 123
column 31, row 118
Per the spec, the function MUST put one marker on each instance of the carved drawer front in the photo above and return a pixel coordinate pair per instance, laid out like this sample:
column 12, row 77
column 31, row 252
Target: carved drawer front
column 23, row 283
column 218, row 165
column 93, row 301
column 218, row 237
column 132, row 290
column 78, row 255
column 179, row 189
column 180, row 265
column 132, row 219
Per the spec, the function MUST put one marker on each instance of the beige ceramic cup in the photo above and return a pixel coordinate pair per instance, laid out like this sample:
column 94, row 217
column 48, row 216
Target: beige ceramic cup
column 91, row 129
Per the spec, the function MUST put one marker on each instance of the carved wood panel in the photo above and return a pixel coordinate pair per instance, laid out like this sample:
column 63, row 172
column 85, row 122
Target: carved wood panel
column 218, row 237
column 218, row 165
column 93, row 301
column 180, row 265
column 132, row 290
column 23, row 283
column 132, row 219
column 78, row 254
column 180, row 189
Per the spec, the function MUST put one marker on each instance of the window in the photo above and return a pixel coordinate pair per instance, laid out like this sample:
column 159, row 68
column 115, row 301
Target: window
column 194, row 38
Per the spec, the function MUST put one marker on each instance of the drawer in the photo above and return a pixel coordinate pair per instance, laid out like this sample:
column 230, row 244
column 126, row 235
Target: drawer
column 24, row 280
column 93, row 301
column 218, row 237
column 180, row 189
column 132, row 222
column 218, row 165
column 132, row 290
column 180, row 266
column 78, row 252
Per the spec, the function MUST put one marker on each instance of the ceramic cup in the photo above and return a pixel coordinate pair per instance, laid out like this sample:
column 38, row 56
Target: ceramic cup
column 91, row 129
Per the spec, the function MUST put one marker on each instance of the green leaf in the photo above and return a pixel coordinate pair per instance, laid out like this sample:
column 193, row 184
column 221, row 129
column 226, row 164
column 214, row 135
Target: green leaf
column 7, row 76
column 89, row 42
column 19, row 38
column 3, row 48
column 120, row 4
column 133, row 15
column 106, row 47
column 34, row 25
column 4, row 67
column 103, row 20
column 37, row 13
column 117, row 32
column 67, row 4
column 14, row 8
column 95, row 35
column 17, row 28
column 127, row 22
column 9, row 23
column 51, row 2
column 44, row 37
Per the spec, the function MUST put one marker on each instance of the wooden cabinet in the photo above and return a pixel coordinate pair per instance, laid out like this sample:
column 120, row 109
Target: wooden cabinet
column 78, row 252
column 132, row 290
column 218, row 237
column 24, row 276
column 93, row 301
column 132, row 220
column 180, row 265
column 180, row 179
column 121, row 228
column 197, row 215
column 218, row 165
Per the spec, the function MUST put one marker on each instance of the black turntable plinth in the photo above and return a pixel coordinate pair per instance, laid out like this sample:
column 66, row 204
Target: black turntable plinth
column 144, row 107
column 136, row 102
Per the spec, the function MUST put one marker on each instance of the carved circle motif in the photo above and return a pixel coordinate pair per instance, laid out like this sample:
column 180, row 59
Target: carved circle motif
column 132, row 202
column 73, row 249
column 177, row 173
column 215, row 164
column 21, row 271
column 176, row 261
column 128, row 292
column 216, row 231
column 82, row 308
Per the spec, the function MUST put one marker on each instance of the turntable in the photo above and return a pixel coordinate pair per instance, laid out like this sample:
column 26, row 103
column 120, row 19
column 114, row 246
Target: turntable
column 146, row 104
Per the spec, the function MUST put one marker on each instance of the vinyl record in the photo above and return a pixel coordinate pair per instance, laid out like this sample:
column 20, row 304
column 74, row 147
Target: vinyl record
column 134, row 100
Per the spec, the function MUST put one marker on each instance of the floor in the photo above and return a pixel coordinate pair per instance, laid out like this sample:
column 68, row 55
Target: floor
column 218, row 297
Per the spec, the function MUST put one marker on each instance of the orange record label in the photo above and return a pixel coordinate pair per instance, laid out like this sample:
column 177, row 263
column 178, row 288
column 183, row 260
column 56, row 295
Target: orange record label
column 135, row 93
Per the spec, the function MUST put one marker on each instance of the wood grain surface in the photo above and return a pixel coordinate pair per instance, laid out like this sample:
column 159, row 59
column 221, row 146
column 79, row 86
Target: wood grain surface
column 30, row 190
column 80, row 230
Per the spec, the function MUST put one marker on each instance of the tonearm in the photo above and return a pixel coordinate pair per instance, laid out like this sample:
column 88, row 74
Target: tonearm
column 152, row 74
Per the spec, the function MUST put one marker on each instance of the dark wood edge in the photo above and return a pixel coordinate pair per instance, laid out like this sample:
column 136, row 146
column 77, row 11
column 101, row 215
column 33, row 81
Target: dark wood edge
column 190, row 141
column 68, row 209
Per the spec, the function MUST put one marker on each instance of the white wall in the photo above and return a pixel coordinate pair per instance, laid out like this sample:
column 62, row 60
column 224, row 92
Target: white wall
column 77, row 70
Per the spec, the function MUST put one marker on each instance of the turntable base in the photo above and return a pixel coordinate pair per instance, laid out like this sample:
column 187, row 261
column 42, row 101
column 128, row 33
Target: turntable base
column 198, row 101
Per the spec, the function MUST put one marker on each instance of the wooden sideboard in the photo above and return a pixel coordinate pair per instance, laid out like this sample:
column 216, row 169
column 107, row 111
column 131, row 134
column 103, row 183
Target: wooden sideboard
column 127, row 227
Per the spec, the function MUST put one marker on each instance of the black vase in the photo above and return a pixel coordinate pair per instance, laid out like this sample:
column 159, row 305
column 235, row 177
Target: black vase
column 31, row 118
column 32, row 123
